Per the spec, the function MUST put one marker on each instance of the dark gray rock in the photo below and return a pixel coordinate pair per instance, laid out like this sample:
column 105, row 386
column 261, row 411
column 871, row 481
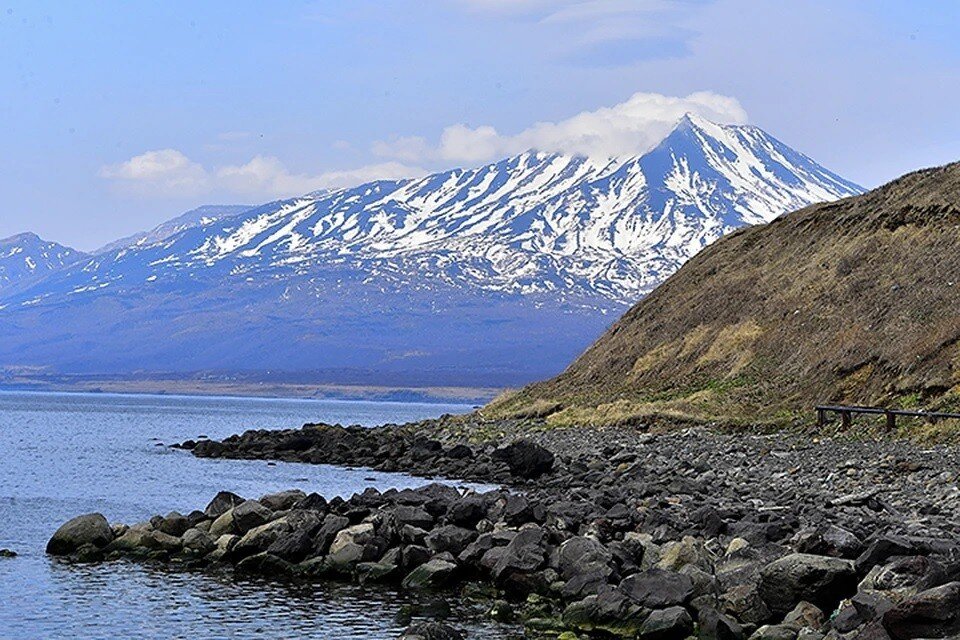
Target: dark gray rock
column 467, row 511
column 657, row 588
column 830, row 540
column 293, row 546
column 249, row 514
column 934, row 613
column 449, row 538
column 673, row 623
column 714, row 625
column 433, row 574
column 413, row 516
column 92, row 529
column 526, row 459
column 283, row 500
column 221, row 503
column 518, row 565
column 174, row 524
column 822, row 580
column 432, row 631
column 608, row 611
column 581, row 554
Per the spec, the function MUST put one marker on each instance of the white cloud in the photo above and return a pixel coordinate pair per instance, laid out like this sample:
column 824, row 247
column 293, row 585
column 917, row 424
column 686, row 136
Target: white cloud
column 629, row 128
column 267, row 175
column 168, row 172
column 164, row 171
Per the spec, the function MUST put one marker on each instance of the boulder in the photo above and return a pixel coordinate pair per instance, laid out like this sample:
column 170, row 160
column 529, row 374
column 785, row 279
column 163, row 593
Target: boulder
column 714, row 625
column 197, row 541
column 265, row 564
column 608, row 611
column 221, row 503
column 803, row 615
column 432, row 631
column 591, row 579
column 283, row 500
column 525, row 459
column 673, row 623
column 830, row 540
column 174, row 524
column 934, row 613
column 775, row 632
column 467, row 511
column 821, row 580
column 907, row 575
column 91, row 528
column 332, row 525
column 141, row 541
column 260, row 538
column 413, row 516
column 248, row 515
column 347, row 548
column 657, row 588
column 449, row 538
column 519, row 561
column 292, row 546
column 433, row 574
column 676, row 554
column 745, row 604
column 581, row 555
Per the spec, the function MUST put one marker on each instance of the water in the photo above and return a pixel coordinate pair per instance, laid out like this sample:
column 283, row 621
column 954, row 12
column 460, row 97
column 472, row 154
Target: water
column 66, row 454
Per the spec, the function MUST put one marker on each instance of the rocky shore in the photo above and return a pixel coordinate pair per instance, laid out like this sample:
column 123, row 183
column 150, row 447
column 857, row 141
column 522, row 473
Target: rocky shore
column 599, row 533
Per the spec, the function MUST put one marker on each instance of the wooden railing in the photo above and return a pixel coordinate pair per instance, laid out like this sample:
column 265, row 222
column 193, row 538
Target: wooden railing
column 847, row 413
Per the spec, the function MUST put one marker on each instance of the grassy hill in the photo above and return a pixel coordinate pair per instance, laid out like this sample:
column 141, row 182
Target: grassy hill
column 856, row 301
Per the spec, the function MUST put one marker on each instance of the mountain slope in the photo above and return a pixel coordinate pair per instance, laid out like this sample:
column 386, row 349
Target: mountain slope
column 26, row 257
column 201, row 216
column 459, row 266
column 854, row 301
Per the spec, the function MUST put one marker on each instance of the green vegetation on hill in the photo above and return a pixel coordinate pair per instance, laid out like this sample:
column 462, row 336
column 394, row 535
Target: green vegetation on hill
column 855, row 301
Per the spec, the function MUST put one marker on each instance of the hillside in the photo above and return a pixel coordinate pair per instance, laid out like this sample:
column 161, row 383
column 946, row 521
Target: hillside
column 489, row 276
column 856, row 301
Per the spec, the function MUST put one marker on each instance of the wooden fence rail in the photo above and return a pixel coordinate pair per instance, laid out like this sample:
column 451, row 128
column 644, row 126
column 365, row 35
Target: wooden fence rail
column 847, row 413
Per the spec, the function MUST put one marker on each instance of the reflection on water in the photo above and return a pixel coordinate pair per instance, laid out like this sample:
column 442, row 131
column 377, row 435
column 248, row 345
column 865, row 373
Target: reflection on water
column 65, row 454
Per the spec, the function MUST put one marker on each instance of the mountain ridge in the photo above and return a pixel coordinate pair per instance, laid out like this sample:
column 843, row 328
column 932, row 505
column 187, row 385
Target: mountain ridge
column 479, row 257
column 26, row 256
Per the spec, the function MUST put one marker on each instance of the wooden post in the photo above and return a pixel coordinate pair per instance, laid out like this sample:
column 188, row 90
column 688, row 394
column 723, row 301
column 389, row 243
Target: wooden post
column 845, row 419
column 891, row 420
column 821, row 417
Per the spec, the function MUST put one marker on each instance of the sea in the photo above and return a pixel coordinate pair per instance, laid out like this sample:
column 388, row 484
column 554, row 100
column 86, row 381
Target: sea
column 65, row 454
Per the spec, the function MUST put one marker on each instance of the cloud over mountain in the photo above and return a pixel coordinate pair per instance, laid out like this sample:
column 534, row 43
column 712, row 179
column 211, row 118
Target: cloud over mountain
column 629, row 128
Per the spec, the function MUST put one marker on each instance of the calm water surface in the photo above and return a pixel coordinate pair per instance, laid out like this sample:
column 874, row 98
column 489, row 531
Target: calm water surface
column 66, row 454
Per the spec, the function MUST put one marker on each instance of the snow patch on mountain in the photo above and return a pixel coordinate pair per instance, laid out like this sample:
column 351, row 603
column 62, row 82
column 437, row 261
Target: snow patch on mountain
column 590, row 232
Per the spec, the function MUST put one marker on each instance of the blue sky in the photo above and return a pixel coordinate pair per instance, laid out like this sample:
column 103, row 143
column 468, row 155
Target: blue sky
column 118, row 115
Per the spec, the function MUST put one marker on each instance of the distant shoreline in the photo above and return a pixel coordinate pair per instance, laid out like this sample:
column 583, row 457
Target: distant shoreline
column 246, row 389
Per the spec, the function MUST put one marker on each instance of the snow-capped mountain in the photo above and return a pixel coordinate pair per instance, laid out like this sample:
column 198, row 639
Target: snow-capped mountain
column 199, row 217
column 26, row 256
column 462, row 263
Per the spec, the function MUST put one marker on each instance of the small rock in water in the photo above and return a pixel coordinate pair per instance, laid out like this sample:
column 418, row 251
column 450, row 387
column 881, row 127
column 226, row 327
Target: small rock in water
column 432, row 631
column 7, row 553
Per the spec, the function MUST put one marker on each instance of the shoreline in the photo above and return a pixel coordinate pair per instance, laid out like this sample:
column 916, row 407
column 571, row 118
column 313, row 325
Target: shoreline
column 275, row 391
column 607, row 532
